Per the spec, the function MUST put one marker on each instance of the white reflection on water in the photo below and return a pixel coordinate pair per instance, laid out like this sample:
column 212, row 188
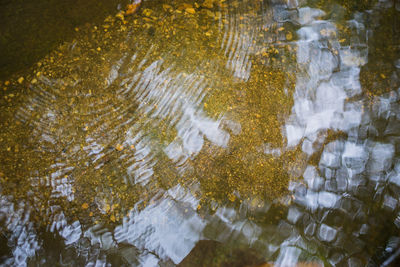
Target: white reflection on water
column 168, row 227
column 327, row 78
column 237, row 44
column 329, row 75
column 173, row 97
column 333, row 209
column 23, row 238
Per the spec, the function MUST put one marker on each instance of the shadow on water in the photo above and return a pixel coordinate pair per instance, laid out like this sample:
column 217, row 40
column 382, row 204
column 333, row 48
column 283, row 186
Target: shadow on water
column 220, row 133
column 31, row 29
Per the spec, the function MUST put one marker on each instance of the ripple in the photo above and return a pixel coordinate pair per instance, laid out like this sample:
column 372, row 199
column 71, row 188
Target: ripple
column 120, row 143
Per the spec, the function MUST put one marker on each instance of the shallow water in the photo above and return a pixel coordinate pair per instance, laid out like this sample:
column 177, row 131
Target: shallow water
column 32, row 29
column 222, row 133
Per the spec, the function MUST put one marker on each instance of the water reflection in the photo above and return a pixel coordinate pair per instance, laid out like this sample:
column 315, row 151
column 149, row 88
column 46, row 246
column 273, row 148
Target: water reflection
column 330, row 77
column 169, row 227
column 240, row 124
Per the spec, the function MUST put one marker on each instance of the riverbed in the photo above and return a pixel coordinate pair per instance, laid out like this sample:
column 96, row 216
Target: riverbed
column 215, row 133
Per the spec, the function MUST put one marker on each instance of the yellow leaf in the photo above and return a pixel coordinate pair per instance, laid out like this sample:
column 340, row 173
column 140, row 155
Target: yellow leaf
column 85, row 205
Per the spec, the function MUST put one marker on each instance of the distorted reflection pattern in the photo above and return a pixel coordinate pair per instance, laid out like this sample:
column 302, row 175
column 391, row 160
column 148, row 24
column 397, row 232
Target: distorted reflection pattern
column 116, row 138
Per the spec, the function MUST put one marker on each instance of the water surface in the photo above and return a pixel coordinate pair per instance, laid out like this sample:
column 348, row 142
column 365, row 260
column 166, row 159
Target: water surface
column 221, row 133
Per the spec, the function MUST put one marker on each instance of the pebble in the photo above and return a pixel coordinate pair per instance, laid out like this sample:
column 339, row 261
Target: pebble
column 190, row 10
column 120, row 16
column 119, row 147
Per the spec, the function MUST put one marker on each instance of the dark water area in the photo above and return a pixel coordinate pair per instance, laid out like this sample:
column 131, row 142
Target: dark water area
column 211, row 133
column 31, row 29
